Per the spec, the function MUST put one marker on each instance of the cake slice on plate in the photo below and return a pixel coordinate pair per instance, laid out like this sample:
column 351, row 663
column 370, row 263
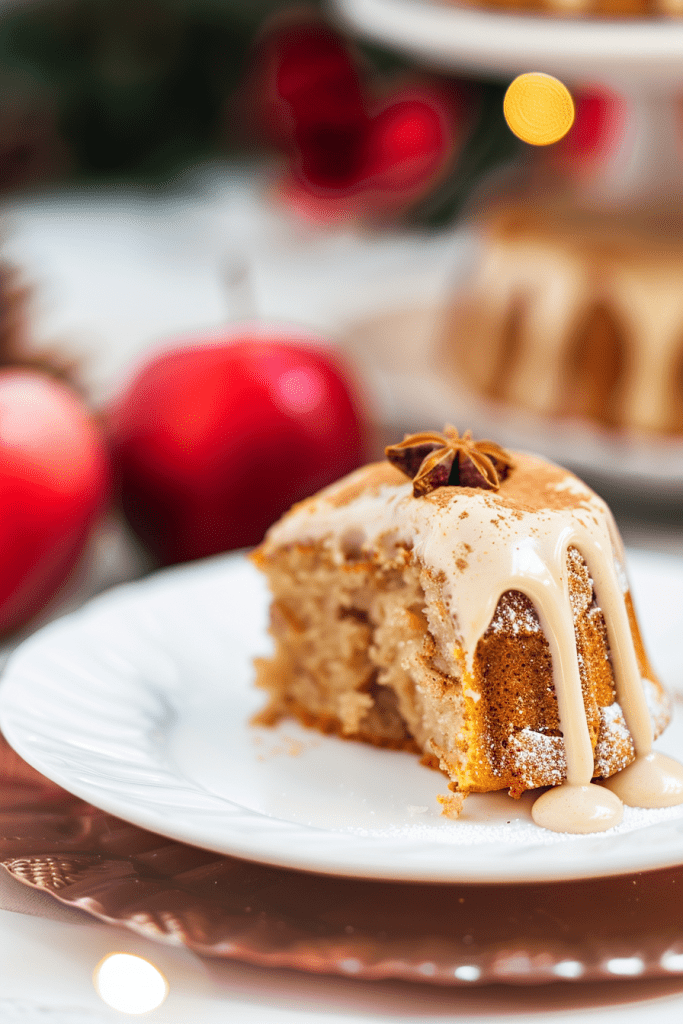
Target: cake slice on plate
column 470, row 604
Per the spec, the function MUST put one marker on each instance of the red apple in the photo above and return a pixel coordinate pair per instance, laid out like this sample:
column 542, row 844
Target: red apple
column 54, row 481
column 213, row 441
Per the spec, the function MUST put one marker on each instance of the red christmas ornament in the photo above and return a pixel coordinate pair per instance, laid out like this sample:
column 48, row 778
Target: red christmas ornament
column 350, row 154
column 311, row 102
column 407, row 141
column 598, row 123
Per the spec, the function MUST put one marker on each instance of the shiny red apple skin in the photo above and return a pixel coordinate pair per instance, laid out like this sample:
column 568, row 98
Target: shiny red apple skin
column 212, row 442
column 55, row 481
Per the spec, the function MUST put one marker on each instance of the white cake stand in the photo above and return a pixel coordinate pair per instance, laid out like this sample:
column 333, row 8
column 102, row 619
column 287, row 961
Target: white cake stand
column 642, row 60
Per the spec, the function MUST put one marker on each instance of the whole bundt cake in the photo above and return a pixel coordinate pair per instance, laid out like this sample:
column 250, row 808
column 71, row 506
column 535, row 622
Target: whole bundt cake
column 574, row 315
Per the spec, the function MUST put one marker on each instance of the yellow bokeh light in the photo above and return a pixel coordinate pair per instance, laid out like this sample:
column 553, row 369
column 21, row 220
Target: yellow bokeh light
column 538, row 108
column 129, row 983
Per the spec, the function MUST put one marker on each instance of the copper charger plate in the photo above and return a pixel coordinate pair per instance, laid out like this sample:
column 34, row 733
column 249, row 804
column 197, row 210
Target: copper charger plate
column 446, row 934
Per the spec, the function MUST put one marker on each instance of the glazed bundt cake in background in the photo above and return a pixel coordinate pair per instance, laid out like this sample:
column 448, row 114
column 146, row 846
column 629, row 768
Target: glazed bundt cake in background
column 470, row 604
column 574, row 315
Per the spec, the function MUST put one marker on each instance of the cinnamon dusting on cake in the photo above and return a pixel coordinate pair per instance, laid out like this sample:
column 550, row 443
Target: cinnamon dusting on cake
column 368, row 480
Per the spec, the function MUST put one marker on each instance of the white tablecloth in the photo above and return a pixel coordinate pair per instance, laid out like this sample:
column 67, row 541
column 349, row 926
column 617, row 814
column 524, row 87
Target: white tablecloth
column 118, row 271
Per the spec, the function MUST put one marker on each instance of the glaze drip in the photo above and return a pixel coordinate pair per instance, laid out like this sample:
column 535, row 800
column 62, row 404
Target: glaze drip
column 652, row 780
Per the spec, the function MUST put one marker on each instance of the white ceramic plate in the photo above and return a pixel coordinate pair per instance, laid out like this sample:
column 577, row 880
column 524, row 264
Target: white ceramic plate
column 140, row 703
column 584, row 49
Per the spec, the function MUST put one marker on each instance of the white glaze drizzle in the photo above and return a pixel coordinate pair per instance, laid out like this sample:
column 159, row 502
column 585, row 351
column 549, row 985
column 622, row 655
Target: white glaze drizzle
column 484, row 544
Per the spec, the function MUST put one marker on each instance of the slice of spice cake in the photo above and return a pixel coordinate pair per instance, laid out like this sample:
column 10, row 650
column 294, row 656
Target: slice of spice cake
column 469, row 604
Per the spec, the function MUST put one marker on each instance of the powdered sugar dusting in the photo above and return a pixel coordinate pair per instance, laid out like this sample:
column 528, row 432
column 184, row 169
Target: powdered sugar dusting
column 517, row 835
column 614, row 749
column 537, row 756
column 517, row 620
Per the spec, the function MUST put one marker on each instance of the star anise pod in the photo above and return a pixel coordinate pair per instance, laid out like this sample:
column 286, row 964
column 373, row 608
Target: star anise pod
column 436, row 460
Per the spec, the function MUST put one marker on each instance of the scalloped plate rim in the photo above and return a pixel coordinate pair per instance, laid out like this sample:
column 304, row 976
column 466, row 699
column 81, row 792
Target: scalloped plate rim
column 308, row 848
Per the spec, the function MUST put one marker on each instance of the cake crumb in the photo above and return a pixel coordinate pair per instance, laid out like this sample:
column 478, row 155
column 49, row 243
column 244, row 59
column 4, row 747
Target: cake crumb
column 451, row 804
column 288, row 746
column 430, row 761
column 294, row 747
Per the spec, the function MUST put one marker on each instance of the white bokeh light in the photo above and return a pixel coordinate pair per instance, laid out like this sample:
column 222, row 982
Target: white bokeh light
column 129, row 983
column 467, row 972
column 568, row 969
column 626, row 966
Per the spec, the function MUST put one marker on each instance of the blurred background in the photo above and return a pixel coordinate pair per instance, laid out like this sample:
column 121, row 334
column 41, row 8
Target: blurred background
column 244, row 248
column 98, row 92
